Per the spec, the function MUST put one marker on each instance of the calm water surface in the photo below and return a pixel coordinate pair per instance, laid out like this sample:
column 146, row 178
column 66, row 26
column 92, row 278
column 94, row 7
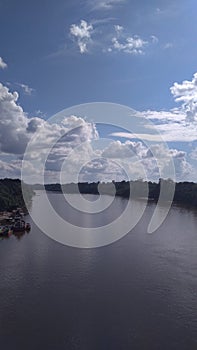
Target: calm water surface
column 138, row 293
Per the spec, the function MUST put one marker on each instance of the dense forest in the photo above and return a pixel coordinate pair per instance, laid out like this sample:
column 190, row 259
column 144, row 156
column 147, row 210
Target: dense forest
column 11, row 196
column 185, row 192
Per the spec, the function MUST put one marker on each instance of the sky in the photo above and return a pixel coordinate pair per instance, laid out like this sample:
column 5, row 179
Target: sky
column 137, row 58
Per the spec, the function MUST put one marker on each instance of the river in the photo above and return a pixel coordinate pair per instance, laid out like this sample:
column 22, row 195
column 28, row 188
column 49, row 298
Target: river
column 138, row 293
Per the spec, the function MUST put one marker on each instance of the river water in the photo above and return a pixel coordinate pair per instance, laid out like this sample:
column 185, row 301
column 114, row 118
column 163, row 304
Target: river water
column 137, row 293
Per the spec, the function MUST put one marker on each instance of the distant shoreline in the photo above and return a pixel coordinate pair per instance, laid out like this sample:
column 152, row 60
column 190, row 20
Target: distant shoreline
column 185, row 192
column 11, row 194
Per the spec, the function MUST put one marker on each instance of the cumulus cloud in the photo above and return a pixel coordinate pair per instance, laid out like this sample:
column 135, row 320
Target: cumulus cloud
column 70, row 150
column 183, row 119
column 17, row 129
column 130, row 44
column 116, row 149
column 3, row 65
column 163, row 157
column 15, row 126
column 82, row 34
column 108, row 39
column 103, row 170
column 118, row 29
column 13, row 123
column 76, row 137
column 33, row 124
column 186, row 93
column 13, row 168
column 141, row 161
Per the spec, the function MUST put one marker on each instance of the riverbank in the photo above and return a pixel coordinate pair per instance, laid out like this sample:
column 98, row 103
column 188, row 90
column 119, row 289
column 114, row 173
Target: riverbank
column 13, row 223
column 185, row 193
column 12, row 196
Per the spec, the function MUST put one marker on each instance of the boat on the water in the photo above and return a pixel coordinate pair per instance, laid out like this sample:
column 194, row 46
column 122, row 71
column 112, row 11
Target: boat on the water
column 15, row 225
column 21, row 226
column 4, row 231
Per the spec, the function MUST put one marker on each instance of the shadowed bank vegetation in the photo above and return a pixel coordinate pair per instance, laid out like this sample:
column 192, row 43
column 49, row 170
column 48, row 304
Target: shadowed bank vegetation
column 11, row 196
column 185, row 192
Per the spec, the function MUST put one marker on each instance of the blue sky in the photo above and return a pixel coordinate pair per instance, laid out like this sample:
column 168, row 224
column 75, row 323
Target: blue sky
column 65, row 53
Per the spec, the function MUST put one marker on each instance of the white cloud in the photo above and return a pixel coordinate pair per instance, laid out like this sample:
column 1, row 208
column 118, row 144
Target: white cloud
column 186, row 93
column 105, row 4
column 141, row 161
column 27, row 90
column 133, row 136
column 132, row 45
column 161, row 125
column 123, row 42
column 154, row 39
column 75, row 132
column 110, row 39
column 164, row 124
column 183, row 132
column 101, row 169
column 174, row 115
column 40, row 114
column 71, row 140
column 13, row 168
column 82, row 33
column 116, row 149
column 118, row 28
column 2, row 63
column 16, row 130
column 178, row 124
column 13, row 123
column 158, row 10
column 183, row 169
column 193, row 154
column 167, row 46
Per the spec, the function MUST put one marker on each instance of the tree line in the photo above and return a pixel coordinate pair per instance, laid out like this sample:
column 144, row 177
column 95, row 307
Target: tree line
column 184, row 192
column 11, row 195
